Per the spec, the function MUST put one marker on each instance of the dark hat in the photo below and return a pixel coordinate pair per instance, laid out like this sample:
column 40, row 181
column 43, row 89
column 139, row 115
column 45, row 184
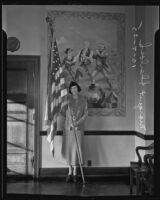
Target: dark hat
column 68, row 50
column 72, row 83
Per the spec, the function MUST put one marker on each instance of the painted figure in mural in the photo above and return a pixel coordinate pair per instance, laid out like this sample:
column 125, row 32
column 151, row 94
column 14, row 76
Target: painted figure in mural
column 102, row 65
column 96, row 97
column 75, row 115
column 85, row 59
column 68, row 63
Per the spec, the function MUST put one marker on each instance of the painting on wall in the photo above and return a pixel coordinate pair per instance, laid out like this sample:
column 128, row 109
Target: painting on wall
column 91, row 46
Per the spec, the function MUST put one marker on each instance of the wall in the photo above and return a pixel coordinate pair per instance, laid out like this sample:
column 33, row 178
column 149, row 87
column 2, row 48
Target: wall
column 149, row 17
column 103, row 151
column 151, row 26
column 4, row 20
column 28, row 24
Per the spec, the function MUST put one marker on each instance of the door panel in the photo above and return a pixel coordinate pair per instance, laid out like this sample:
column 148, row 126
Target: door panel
column 17, row 169
column 16, row 81
column 13, row 106
column 21, row 110
column 16, row 133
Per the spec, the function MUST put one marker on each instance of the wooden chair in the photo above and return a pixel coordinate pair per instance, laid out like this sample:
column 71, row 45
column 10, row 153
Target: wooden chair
column 138, row 169
column 147, row 180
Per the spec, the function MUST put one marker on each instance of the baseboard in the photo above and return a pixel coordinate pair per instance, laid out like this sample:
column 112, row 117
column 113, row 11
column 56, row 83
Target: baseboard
column 109, row 173
column 90, row 173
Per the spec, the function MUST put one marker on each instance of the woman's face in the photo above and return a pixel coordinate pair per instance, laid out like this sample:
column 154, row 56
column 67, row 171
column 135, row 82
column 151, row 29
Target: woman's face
column 74, row 90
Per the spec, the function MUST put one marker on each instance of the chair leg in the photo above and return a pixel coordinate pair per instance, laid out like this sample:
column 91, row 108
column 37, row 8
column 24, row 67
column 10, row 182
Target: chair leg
column 138, row 186
column 131, row 181
column 142, row 186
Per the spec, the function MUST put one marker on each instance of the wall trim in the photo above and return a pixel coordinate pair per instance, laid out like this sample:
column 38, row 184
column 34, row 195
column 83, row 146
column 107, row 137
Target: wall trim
column 143, row 136
column 93, row 132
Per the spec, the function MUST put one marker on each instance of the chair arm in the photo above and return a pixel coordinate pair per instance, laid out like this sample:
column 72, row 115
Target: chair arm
column 150, row 147
column 151, row 163
column 146, row 159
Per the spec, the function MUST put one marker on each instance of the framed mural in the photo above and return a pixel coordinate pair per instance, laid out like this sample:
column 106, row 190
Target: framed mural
column 91, row 46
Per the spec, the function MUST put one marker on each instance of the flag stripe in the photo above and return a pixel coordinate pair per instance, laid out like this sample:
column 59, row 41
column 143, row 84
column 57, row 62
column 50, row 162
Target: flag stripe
column 57, row 92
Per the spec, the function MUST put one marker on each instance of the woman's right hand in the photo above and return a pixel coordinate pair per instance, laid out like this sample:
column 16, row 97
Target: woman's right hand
column 71, row 126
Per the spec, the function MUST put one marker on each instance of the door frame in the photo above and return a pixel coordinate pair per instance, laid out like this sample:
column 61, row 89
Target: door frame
column 35, row 60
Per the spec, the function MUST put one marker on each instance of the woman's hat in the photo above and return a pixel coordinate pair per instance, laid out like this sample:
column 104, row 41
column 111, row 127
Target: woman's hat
column 72, row 83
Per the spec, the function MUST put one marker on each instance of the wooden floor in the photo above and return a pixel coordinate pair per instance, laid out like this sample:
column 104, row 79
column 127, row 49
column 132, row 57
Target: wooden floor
column 59, row 187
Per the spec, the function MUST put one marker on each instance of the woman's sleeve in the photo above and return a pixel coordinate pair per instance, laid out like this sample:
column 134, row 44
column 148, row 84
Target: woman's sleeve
column 85, row 114
column 63, row 111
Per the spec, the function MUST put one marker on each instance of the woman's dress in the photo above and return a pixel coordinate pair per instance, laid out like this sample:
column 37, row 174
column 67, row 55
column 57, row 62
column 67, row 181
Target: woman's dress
column 76, row 111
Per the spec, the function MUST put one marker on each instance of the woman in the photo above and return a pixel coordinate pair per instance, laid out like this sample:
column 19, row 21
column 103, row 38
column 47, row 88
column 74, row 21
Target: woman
column 75, row 114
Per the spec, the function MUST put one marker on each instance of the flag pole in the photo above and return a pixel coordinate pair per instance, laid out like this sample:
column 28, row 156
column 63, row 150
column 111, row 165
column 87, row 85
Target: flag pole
column 50, row 23
column 77, row 144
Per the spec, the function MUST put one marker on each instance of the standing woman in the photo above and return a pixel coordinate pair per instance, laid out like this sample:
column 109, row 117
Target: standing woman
column 75, row 115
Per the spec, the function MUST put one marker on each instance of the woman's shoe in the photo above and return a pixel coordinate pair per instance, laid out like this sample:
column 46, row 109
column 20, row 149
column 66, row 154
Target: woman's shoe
column 69, row 178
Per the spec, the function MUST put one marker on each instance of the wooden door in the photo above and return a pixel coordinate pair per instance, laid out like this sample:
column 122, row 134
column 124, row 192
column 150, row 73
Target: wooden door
column 22, row 110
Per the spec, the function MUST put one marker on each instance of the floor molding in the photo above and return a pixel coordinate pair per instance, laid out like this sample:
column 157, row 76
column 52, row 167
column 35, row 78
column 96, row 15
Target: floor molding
column 110, row 173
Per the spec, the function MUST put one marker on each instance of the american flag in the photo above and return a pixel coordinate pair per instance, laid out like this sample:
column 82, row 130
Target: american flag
column 57, row 93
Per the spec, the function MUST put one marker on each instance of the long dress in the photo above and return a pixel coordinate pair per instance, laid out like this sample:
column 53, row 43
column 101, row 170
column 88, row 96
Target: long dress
column 77, row 111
